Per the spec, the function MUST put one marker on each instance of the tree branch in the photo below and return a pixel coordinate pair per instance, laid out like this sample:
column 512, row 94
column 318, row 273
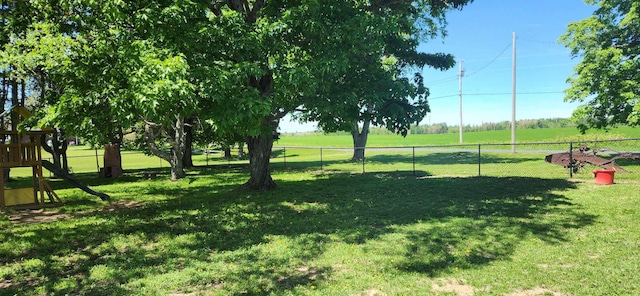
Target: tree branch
column 149, row 137
column 382, row 4
column 252, row 14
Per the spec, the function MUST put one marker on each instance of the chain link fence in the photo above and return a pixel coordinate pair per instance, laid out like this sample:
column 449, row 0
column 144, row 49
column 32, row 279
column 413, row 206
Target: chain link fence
column 499, row 160
column 542, row 160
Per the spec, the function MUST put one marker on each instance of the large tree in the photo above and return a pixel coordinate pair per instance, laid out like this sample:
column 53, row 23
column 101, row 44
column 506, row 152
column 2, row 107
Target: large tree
column 128, row 63
column 307, row 50
column 74, row 69
column 240, row 64
column 34, row 55
column 380, row 81
column 607, row 79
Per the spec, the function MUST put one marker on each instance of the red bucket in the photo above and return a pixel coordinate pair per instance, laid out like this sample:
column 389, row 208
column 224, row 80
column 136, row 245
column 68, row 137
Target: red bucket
column 604, row 176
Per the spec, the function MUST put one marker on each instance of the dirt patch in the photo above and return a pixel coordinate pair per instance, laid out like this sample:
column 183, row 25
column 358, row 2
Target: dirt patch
column 29, row 216
column 122, row 204
column 36, row 216
column 535, row 292
column 460, row 288
column 31, row 282
column 308, row 272
column 373, row 292
column 543, row 266
column 302, row 275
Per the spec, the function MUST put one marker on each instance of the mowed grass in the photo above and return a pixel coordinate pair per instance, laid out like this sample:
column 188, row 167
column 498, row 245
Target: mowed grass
column 486, row 137
column 403, row 222
column 333, row 233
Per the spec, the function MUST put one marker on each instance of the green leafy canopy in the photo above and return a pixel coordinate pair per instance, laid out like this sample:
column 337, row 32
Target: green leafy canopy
column 607, row 80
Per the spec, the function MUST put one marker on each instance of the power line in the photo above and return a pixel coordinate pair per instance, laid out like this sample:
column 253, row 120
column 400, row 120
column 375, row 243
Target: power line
column 454, row 78
column 564, row 52
column 443, row 80
column 497, row 94
column 491, row 62
column 538, row 41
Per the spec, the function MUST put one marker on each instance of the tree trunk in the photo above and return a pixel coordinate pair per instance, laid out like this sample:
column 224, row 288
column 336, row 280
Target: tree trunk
column 15, row 117
column 227, row 153
column 260, row 146
column 175, row 136
column 240, row 150
column 259, row 157
column 58, row 148
column 359, row 140
column 63, row 153
column 177, row 167
column 112, row 160
column 187, row 157
column 177, row 150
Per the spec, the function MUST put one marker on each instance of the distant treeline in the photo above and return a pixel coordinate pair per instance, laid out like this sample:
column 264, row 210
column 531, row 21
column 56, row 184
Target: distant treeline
column 443, row 128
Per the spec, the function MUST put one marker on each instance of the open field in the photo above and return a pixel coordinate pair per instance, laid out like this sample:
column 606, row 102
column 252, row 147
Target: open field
column 489, row 137
column 327, row 234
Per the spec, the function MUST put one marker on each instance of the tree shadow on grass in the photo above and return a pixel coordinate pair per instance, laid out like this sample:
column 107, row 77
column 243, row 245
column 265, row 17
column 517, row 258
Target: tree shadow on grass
column 281, row 153
column 212, row 237
column 395, row 159
column 450, row 158
column 130, row 176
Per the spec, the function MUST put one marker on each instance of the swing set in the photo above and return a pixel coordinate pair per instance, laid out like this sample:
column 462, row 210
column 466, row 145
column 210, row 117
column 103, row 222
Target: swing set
column 20, row 150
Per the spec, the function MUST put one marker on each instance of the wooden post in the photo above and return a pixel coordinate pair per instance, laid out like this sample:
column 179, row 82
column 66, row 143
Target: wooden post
column 2, row 205
column 39, row 169
column 35, row 183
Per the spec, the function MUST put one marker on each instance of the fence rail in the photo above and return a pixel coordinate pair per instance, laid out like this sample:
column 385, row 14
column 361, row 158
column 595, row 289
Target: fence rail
column 460, row 160
column 465, row 160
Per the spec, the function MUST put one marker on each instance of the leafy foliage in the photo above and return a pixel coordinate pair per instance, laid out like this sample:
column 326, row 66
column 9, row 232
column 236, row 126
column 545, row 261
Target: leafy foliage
column 607, row 78
column 238, row 66
column 376, row 50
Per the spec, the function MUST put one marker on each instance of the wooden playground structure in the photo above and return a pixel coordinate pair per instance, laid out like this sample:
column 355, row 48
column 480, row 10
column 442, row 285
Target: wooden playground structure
column 23, row 150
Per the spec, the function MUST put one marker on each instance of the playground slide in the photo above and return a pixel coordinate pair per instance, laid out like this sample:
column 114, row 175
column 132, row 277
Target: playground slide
column 64, row 175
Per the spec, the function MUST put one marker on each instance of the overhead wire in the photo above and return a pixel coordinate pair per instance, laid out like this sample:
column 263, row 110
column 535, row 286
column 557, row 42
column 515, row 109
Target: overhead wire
column 497, row 94
column 491, row 62
column 449, row 79
column 445, row 80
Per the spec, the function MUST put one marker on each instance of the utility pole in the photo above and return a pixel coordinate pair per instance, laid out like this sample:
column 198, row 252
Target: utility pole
column 460, row 74
column 513, row 97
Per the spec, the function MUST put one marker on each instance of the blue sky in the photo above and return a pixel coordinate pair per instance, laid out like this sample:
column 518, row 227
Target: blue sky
column 481, row 36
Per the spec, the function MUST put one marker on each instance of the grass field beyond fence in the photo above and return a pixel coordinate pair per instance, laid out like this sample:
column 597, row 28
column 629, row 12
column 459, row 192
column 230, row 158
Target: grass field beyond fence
column 487, row 137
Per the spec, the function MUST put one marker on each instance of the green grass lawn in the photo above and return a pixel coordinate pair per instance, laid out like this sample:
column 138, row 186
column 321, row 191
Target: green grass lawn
column 331, row 233
column 417, row 222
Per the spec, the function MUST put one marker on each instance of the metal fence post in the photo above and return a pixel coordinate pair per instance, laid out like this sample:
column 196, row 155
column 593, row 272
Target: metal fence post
column 97, row 163
column 414, row 160
column 363, row 160
column 479, row 159
column 571, row 160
